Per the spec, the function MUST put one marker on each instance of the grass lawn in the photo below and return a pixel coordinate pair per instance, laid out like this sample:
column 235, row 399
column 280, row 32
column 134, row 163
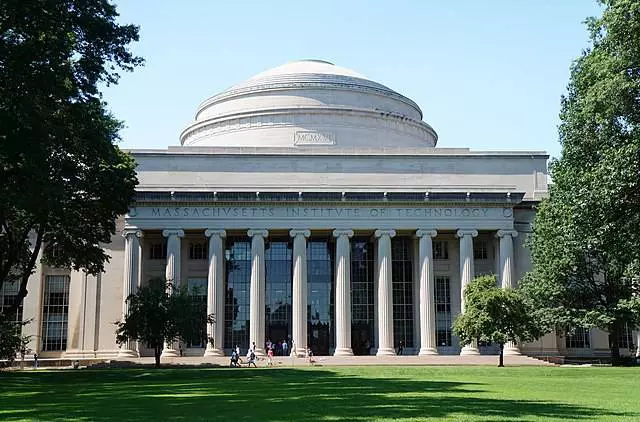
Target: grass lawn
column 324, row 393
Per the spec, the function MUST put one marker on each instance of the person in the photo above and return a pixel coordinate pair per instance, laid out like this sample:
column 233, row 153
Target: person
column 285, row 348
column 35, row 361
column 252, row 359
column 400, row 347
column 181, row 352
column 310, row 356
column 238, row 355
column 234, row 360
column 270, row 357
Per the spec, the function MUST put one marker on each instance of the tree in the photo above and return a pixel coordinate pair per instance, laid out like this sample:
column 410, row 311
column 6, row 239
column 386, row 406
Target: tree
column 496, row 315
column 586, row 238
column 12, row 342
column 63, row 181
column 159, row 314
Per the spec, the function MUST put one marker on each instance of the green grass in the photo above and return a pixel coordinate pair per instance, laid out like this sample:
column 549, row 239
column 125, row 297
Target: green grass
column 323, row 393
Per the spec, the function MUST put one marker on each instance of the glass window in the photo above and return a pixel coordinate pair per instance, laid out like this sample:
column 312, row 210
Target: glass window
column 625, row 337
column 320, row 296
column 443, row 311
column 198, row 250
column 402, row 286
column 237, row 284
column 441, row 250
column 578, row 338
column 197, row 288
column 278, row 291
column 158, row 250
column 55, row 312
column 8, row 296
column 362, row 295
column 480, row 250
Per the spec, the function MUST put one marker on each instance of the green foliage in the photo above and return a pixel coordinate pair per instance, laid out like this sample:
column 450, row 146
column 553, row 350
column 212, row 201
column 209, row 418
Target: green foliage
column 62, row 179
column 12, row 342
column 160, row 313
column 586, row 239
column 493, row 314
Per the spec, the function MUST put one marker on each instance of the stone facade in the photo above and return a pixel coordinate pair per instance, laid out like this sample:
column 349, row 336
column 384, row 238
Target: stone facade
column 312, row 206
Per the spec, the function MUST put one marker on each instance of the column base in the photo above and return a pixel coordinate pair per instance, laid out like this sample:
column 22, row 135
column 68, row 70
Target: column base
column 511, row 351
column 469, row 351
column 343, row 351
column 386, row 351
column 170, row 353
column 260, row 352
column 126, row 353
column 213, row 353
column 428, row 351
column 299, row 352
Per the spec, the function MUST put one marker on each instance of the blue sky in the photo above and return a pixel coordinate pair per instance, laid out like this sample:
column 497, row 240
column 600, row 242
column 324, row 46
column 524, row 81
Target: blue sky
column 488, row 75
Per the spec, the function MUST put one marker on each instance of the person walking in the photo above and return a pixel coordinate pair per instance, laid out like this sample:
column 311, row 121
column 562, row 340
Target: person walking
column 252, row 359
column 35, row 361
column 285, row 348
column 270, row 357
column 400, row 347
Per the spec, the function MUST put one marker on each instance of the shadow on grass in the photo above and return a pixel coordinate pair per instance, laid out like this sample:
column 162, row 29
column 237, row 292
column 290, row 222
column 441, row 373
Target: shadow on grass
column 267, row 395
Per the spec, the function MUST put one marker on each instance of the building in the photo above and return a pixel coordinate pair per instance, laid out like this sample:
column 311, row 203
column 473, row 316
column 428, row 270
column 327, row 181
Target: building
column 309, row 204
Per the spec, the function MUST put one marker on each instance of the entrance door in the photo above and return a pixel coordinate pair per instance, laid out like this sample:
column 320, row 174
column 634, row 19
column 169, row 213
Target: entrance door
column 319, row 337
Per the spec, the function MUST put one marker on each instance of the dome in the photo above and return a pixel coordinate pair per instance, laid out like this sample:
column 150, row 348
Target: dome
column 308, row 103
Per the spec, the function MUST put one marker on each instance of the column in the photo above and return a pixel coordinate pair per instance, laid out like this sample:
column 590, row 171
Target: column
column 215, row 292
column 257, row 291
column 130, row 282
column 385, row 294
column 506, row 268
column 299, row 320
column 466, row 275
column 343, row 293
column 638, row 344
column 172, row 275
column 427, row 291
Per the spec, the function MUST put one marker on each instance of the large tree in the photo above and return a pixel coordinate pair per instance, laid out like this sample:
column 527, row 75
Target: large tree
column 159, row 313
column 496, row 315
column 63, row 181
column 586, row 238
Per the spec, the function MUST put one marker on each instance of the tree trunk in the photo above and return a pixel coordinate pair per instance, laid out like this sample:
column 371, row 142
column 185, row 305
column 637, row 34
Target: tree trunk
column 26, row 273
column 157, row 352
column 501, row 364
column 613, row 345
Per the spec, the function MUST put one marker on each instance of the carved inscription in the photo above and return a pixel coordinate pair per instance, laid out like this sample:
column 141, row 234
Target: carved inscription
column 314, row 138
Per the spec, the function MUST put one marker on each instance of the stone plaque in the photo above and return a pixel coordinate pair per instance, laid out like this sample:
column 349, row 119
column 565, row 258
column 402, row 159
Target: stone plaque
column 314, row 138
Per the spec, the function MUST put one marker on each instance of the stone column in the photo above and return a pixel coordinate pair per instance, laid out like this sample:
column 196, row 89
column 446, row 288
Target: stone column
column 638, row 343
column 257, row 291
column 506, row 268
column 466, row 275
column 385, row 294
column 299, row 320
column 427, row 290
column 215, row 292
column 130, row 282
column 172, row 275
column 343, row 293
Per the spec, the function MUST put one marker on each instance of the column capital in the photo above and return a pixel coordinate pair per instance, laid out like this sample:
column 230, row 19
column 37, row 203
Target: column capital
column 343, row 232
column 173, row 232
column 385, row 232
column 462, row 233
column 257, row 232
column 300, row 232
column 215, row 232
column 128, row 232
column 502, row 233
column 426, row 232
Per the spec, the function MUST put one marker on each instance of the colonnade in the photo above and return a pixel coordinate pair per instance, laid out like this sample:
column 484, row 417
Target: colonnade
column 386, row 345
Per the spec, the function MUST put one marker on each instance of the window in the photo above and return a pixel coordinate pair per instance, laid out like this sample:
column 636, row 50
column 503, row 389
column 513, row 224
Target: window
column 158, row 250
column 237, row 282
column 362, row 295
column 197, row 288
column 443, row 311
column 56, row 250
column 55, row 313
column 480, row 249
column 198, row 251
column 320, row 295
column 402, row 286
column 441, row 250
column 578, row 339
column 8, row 294
column 625, row 337
column 278, row 290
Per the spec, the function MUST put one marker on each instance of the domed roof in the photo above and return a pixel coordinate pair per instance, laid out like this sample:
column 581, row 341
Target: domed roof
column 307, row 96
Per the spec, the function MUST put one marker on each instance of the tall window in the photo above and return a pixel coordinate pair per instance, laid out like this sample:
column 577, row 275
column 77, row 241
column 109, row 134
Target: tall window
column 320, row 296
column 443, row 311
column 480, row 250
column 198, row 291
column 441, row 250
column 236, row 311
column 625, row 337
column 158, row 250
column 198, row 250
column 278, row 289
column 362, row 295
column 402, row 286
column 55, row 312
column 8, row 295
column 578, row 339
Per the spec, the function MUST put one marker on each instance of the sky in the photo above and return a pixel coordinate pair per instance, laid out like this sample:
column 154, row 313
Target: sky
column 488, row 75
